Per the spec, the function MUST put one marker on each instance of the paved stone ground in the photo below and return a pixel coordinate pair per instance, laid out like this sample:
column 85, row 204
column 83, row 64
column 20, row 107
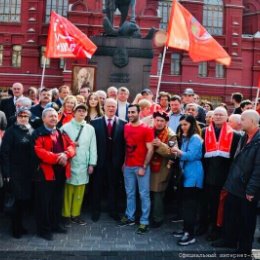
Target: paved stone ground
column 104, row 240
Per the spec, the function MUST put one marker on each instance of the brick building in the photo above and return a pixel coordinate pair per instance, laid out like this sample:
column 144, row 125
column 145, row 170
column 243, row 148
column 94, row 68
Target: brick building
column 234, row 23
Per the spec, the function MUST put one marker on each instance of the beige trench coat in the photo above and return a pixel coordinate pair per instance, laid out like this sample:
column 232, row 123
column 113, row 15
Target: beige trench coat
column 160, row 180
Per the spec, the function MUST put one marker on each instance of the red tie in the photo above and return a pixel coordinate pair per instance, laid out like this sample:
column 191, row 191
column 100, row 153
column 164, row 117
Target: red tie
column 109, row 128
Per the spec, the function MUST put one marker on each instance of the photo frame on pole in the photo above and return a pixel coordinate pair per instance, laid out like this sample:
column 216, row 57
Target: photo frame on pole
column 83, row 75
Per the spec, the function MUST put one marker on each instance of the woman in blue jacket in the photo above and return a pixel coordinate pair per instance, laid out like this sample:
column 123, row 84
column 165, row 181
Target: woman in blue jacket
column 190, row 156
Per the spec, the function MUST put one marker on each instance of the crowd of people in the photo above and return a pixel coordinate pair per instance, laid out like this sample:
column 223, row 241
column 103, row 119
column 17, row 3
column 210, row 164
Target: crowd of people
column 57, row 149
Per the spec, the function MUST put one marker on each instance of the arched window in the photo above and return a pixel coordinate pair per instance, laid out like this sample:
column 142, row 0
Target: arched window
column 59, row 6
column 10, row 11
column 213, row 16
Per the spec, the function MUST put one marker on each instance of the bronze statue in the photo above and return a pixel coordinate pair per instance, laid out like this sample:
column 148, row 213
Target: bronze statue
column 123, row 7
column 126, row 28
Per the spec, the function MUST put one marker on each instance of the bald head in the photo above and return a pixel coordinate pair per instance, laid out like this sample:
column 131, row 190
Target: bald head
column 17, row 89
column 110, row 107
column 249, row 120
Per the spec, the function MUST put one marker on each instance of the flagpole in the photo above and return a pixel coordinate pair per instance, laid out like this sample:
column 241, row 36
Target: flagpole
column 257, row 96
column 160, row 74
column 43, row 72
column 65, row 65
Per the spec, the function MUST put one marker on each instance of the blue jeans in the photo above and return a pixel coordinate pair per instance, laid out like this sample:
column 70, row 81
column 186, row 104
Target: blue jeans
column 132, row 179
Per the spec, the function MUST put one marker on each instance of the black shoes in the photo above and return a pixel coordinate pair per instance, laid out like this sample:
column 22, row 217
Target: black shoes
column 46, row 235
column 156, row 224
column 126, row 222
column 59, row 230
column 223, row 243
column 67, row 222
column 186, row 240
column 176, row 219
column 79, row 221
column 178, row 233
column 114, row 216
column 95, row 216
column 142, row 229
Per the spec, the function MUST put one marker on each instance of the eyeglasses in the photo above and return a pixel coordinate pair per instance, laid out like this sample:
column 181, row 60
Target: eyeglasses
column 220, row 115
column 23, row 116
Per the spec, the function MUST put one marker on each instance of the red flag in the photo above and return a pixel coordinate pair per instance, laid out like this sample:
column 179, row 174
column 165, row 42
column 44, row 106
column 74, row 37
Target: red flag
column 65, row 40
column 258, row 82
column 186, row 33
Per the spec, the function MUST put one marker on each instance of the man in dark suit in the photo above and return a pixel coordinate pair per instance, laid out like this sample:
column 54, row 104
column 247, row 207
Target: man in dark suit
column 109, row 131
column 64, row 91
column 44, row 99
column 8, row 105
column 122, row 104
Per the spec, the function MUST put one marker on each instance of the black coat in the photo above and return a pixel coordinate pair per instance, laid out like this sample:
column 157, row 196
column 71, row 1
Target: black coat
column 17, row 159
column 216, row 168
column 118, row 142
column 8, row 107
column 3, row 121
column 37, row 110
column 244, row 174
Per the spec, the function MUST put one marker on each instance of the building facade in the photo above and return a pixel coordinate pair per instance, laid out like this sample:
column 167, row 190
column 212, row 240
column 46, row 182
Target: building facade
column 234, row 23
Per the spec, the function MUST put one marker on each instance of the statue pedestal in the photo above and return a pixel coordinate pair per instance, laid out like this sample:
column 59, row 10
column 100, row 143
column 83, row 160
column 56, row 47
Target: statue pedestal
column 122, row 61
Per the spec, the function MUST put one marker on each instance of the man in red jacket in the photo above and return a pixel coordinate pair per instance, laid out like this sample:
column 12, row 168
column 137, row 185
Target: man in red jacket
column 54, row 150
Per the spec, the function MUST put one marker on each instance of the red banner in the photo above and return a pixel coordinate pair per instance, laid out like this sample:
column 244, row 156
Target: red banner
column 65, row 40
column 186, row 33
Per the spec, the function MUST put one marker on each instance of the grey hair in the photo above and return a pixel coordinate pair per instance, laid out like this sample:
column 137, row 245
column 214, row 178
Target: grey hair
column 110, row 100
column 236, row 118
column 112, row 88
column 47, row 110
column 24, row 101
column 192, row 105
column 210, row 113
column 101, row 92
column 221, row 110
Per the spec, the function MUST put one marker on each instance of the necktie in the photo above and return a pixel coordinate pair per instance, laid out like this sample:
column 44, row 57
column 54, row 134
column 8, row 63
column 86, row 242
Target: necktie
column 109, row 127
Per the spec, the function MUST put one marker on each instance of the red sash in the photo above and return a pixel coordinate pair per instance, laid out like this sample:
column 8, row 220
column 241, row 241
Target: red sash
column 156, row 160
column 223, row 146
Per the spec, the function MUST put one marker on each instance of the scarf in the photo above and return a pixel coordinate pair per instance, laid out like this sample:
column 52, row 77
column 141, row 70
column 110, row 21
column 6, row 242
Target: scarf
column 221, row 147
column 156, row 161
column 64, row 117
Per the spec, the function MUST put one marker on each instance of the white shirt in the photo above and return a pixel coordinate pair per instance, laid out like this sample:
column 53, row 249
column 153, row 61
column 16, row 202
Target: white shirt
column 121, row 109
column 111, row 120
column 16, row 98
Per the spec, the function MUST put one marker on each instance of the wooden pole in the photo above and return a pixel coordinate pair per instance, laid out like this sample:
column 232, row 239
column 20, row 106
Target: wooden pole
column 160, row 75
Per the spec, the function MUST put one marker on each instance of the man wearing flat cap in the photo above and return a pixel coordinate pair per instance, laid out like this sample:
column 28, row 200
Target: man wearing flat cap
column 187, row 98
column 160, row 164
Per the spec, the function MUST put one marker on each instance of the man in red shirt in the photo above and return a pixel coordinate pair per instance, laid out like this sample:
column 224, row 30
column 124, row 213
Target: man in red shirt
column 139, row 151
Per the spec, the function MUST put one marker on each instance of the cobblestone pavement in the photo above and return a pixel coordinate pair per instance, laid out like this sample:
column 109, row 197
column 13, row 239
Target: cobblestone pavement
column 104, row 240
